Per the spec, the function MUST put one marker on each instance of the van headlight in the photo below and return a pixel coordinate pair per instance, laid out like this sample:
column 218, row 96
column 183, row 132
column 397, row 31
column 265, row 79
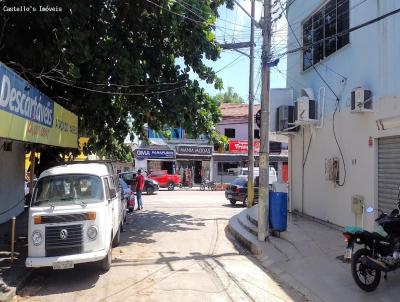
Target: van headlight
column 92, row 232
column 37, row 237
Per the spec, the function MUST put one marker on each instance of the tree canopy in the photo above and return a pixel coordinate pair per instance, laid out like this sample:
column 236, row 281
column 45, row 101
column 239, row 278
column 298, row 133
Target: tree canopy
column 229, row 96
column 108, row 60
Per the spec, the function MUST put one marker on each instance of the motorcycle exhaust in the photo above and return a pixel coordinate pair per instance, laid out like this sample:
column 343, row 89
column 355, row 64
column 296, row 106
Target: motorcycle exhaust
column 374, row 263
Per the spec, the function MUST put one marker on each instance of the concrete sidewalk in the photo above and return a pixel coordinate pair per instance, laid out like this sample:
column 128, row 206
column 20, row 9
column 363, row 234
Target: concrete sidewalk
column 306, row 258
column 14, row 274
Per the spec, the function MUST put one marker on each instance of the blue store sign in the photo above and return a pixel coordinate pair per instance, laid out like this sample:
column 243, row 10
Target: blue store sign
column 141, row 154
column 19, row 98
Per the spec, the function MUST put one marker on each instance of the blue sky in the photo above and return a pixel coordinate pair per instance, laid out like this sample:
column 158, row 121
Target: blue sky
column 234, row 26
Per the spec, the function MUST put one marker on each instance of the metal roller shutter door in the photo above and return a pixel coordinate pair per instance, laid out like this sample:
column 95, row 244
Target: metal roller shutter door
column 388, row 172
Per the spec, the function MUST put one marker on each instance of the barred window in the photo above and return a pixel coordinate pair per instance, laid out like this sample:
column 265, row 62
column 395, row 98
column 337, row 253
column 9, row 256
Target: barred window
column 320, row 32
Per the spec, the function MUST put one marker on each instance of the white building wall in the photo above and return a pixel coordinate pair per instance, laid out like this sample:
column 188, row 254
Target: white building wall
column 370, row 60
column 12, row 177
column 241, row 128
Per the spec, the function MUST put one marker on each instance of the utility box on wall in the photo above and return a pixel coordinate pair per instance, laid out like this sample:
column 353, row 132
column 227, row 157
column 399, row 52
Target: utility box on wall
column 332, row 169
column 357, row 204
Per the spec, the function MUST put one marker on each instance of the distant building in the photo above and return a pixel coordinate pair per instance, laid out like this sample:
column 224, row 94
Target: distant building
column 234, row 125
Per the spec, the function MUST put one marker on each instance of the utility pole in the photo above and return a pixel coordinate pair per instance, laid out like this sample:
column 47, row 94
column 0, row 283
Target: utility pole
column 250, row 181
column 263, row 203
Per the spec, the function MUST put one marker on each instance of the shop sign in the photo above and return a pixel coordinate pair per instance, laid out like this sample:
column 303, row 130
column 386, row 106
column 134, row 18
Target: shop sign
column 194, row 150
column 28, row 115
column 242, row 146
column 141, row 154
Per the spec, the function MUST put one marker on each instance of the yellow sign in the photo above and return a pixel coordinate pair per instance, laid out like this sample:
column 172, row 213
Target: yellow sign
column 28, row 115
column 63, row 133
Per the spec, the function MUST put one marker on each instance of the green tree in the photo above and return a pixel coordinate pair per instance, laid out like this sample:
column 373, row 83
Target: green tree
column 109, row 59
column 229, row 96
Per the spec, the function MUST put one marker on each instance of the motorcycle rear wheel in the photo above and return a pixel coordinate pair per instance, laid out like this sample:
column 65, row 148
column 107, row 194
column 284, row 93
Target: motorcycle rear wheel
column 366, row 278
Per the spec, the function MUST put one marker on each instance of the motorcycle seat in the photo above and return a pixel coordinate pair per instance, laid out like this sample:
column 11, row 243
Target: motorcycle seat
column 377, row 236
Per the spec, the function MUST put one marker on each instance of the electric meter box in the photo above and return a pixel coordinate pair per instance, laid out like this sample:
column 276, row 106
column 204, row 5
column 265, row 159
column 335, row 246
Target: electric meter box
column 357, row 204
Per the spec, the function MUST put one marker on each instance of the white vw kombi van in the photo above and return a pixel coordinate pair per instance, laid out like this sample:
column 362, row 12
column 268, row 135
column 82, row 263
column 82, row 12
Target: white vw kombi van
column 76, row 216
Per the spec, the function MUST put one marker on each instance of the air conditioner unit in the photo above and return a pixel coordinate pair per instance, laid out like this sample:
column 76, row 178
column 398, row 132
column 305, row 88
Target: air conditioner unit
column 305, row 111
column 361, row 100
column 285, row 119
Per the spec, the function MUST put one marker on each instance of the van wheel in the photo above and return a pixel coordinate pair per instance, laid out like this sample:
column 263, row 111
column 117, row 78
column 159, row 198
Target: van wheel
column 105, row 264
column 232, row 201
column 117, row 238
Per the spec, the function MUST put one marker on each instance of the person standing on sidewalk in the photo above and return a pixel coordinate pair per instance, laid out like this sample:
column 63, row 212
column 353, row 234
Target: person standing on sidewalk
column 139, row 189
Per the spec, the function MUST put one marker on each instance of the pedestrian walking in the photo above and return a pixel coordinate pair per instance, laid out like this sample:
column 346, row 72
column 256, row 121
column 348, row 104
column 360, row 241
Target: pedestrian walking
column 139, row 189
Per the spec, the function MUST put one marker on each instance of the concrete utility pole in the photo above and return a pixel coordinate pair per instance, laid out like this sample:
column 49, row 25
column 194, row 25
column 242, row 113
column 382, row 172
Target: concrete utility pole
column 263, row 200
column 250, row 181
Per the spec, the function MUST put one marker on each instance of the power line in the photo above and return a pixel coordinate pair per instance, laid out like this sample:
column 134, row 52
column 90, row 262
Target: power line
column 118, row 85
column 231, row 63
column 188, row 6
column 188, row 18
column 110, row 92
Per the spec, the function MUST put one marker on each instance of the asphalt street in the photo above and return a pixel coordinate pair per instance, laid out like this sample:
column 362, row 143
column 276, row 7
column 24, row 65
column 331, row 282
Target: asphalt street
column 175, row 249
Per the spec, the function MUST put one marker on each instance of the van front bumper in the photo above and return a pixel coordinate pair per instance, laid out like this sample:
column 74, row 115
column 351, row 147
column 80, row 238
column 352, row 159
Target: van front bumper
column 75, row 259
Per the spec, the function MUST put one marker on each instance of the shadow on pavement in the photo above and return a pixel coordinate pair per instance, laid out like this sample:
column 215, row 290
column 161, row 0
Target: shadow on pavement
column 143, row 224
column 88, row 275
column 294, row 294
column 237, row 205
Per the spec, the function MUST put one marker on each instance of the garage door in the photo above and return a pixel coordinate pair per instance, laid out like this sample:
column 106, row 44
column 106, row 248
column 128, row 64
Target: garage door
column 388, row 172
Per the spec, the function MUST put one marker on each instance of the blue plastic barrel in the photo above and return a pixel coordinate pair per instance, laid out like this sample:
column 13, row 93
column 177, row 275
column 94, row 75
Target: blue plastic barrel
column 278, row 211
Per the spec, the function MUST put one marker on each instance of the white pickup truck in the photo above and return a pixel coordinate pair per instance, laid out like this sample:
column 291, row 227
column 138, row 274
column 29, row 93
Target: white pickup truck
column 76, row 216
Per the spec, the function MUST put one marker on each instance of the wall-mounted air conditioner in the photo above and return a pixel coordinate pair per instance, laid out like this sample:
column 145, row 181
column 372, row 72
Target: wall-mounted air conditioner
column 285, row 119
column 305, row 111
column 361, row 100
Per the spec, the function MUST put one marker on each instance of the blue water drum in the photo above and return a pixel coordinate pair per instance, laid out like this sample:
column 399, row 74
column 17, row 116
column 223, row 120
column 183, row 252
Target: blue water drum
column 278, row 204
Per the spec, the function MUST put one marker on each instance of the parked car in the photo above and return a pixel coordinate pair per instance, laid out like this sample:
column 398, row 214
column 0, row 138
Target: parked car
column 237, row 190
column 150, row 185
column 76, row 216
column 272, row 173
column 128, row 197
column 165, row 180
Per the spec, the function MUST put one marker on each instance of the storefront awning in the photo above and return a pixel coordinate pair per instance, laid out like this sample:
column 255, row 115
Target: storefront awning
column 27, row 115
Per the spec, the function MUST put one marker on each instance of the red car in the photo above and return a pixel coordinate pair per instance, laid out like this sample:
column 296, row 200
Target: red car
column 165, row 180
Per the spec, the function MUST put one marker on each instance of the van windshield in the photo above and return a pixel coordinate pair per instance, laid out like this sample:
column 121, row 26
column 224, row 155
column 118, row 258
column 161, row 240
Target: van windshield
column 67, row 189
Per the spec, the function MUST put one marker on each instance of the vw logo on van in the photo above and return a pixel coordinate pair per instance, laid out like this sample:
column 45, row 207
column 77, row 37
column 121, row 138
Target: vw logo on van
column 63, row 234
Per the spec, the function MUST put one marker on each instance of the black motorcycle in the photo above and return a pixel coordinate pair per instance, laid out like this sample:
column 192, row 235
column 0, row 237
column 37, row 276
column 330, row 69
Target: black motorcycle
column 209, row 184
column 381, row 252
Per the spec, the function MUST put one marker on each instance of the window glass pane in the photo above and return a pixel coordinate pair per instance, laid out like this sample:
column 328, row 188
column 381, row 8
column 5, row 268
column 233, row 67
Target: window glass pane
column 307, row 40
column 240, row 181
column 230, row 168
column 68, row 189
column 257, row 133
column 330, row 27
column 343, row 22
column 318, row 35
column 107, row 186
column 230, row 132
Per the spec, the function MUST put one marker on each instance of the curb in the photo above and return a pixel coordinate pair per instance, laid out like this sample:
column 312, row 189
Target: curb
column 251, row 246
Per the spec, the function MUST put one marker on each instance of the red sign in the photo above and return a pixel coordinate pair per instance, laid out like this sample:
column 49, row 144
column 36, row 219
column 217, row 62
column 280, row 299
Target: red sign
column 241, row 146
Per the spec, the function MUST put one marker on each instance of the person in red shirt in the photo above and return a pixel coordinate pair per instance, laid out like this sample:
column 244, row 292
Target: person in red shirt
column 139, row 189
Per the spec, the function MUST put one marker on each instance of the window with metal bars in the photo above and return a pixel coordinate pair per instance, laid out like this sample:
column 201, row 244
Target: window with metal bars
column 320, row 32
